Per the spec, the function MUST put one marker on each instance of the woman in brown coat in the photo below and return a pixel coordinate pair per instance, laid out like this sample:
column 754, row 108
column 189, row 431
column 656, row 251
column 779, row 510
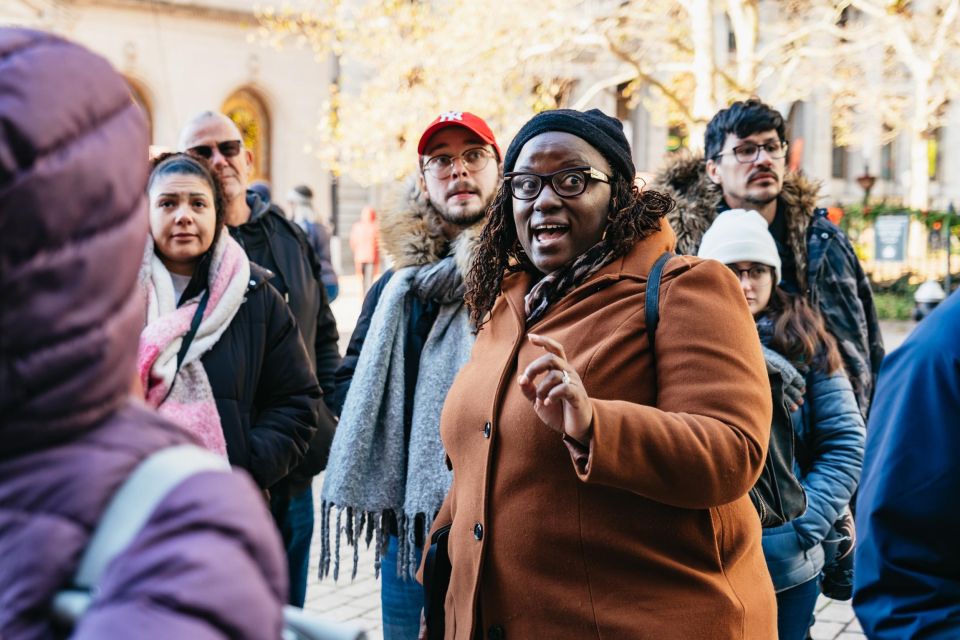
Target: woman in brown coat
column 600, row 486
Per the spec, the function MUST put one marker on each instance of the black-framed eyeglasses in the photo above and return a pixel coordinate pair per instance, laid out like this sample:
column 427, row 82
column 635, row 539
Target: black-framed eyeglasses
column 750, row 151
column 227, row 148
column 756, row 272
column 474, row 160
column 566, row 183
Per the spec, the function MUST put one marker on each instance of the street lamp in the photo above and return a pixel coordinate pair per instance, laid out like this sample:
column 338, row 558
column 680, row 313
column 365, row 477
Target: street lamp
column 866, row 182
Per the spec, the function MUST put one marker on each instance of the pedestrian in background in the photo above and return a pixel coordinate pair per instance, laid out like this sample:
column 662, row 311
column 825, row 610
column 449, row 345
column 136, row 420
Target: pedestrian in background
column 220, row 354
column 413, row 334
column 827, row 426
column 907, row 583
column 365, row 245
column 262, row 189
column 317, row 228
column 207, row 564
column 276, row 244
column 599, row 484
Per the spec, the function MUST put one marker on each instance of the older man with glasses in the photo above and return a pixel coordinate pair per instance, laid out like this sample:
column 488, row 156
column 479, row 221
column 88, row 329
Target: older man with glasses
column 277, row 244
column 387, row 470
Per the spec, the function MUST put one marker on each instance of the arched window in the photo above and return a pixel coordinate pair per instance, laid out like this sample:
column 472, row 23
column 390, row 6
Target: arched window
column 247, row 108
column 796, row 136
column 141, row 96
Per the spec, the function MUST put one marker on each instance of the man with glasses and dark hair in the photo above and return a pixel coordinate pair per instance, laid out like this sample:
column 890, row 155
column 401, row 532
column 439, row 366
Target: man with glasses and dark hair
column 275, row 243
column 413, row 335
column 745, row 167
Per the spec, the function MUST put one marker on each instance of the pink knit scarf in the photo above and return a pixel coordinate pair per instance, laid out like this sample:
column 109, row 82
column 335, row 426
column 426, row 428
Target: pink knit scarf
column 185, row 396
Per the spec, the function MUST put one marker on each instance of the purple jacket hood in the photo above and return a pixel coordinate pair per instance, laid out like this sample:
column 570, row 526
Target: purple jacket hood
column 73, row 224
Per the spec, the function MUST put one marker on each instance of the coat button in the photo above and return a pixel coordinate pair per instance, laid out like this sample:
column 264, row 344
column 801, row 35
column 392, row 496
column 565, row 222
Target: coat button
column 495, row 633
column 824, row 235
column 253, row 283
column 486, row 430
column 478, row 531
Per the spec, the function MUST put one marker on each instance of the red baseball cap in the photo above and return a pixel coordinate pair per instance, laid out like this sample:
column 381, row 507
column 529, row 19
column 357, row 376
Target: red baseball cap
column 463, row 119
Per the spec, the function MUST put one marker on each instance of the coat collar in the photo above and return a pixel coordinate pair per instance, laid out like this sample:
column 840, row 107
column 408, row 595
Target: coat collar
column 635, row 265
column 699, row 201
column 411, row 233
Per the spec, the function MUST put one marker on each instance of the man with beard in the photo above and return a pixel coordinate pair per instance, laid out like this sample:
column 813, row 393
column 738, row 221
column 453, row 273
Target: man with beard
column 387, row 467
column 275, row 243
column 745, row 168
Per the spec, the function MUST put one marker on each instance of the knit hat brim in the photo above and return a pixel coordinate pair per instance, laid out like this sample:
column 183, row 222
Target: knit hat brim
column 601, row 131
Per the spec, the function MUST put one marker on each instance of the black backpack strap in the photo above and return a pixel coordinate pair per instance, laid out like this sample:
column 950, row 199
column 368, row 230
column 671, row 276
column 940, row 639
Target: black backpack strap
column 194, row 325
column 652, row 306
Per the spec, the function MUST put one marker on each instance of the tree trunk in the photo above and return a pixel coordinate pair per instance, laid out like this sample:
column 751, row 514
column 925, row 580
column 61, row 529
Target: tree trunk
column 919, row 192
column 744, row 23
column 704, row 95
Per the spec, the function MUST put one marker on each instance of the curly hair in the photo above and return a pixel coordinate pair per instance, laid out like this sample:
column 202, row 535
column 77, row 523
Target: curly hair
column 634, row 214
column 167, row 164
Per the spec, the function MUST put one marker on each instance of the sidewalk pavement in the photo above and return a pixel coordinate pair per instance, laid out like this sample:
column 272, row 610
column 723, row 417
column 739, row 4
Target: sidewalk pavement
column 358, row 601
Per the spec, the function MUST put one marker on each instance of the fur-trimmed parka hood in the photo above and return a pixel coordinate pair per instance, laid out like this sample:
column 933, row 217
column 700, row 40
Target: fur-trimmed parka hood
column 411, row 233
column 699, row 201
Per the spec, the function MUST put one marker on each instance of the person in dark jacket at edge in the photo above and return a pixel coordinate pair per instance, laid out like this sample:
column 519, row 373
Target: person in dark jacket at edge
column 387, row 464
column 278, row 245
column 907, row 583
column 745, row 168
column 208, row 562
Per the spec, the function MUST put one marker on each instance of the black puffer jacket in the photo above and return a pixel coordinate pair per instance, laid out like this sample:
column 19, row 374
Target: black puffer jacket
column 827, row 269
column 275, row 243
column 280, row 246
column 266, row 393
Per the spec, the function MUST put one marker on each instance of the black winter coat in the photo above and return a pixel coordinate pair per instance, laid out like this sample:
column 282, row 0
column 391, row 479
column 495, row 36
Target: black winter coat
column 280, row 246
column 275, row 243
column 263, row 383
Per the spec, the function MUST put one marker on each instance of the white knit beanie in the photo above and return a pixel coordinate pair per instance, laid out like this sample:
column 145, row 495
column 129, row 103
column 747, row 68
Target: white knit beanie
column 738, row 235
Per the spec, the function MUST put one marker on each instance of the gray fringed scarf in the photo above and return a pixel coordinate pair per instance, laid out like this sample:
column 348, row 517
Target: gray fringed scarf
column 371, row 474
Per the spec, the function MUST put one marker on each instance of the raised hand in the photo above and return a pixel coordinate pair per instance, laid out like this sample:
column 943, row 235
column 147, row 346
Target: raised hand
column 556, row 391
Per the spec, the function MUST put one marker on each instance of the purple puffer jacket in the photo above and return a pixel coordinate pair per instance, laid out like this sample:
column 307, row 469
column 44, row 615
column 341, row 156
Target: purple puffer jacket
column 73, row 223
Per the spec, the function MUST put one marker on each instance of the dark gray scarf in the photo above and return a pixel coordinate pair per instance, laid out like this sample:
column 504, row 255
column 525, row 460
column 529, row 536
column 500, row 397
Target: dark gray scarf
column 555, row 285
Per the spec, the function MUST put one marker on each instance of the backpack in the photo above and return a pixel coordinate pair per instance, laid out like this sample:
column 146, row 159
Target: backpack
column 127, row 513
column 777, row 495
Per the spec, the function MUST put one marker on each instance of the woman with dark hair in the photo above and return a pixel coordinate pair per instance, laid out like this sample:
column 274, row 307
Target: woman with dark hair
column 600, row 484
column 827, row 425
column 220, row 354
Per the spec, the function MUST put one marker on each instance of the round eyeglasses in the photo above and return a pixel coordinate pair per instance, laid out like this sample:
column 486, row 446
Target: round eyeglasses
column 474, row 160
column 566, row 183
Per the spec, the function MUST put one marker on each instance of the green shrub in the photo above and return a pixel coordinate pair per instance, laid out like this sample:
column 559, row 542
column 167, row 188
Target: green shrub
column 894, row 306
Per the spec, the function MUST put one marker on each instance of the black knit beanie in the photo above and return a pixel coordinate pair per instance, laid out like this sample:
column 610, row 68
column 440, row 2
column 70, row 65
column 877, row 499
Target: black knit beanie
column 604, row 133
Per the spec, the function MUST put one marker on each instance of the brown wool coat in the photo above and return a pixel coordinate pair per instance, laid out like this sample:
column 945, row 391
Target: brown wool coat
column 657, row 539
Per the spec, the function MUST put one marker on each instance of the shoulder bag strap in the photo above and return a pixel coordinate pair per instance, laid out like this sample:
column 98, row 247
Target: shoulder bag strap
column 652, row 303
column 194, row 326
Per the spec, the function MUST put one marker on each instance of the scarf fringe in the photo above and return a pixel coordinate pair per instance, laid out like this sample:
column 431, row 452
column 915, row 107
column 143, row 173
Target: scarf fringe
column 353, row 526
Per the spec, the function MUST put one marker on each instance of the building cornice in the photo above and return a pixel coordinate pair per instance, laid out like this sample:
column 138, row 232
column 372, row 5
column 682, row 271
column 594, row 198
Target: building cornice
column 195, row 10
